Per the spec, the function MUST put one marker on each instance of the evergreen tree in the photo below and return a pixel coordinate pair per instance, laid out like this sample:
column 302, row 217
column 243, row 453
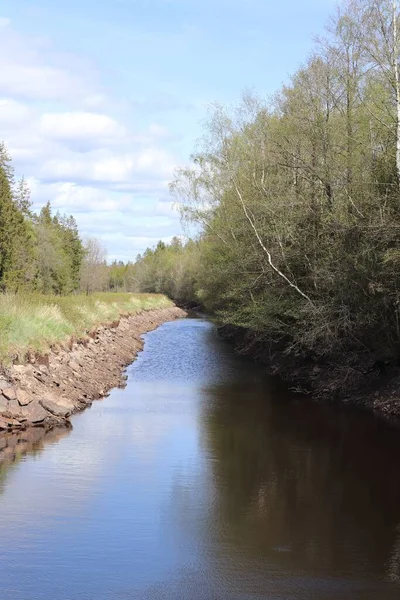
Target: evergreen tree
column 73, row 248
column 60, row 252
column 16, row 239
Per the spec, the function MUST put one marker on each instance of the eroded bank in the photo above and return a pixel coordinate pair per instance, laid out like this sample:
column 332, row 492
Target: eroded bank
column 47, row 389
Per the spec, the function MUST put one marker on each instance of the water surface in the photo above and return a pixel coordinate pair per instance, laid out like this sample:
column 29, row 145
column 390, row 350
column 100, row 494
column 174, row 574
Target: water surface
column 205, row 480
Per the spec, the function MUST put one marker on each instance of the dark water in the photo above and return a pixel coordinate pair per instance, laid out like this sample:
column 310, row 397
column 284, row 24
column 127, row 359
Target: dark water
column 202, row 480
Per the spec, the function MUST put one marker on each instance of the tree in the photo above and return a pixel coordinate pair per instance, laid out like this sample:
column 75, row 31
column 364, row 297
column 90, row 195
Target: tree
column 59, row 252
column 22, row 197
column 93, row 270
column 375, row 24
column 72, row 246
column 298, row 203
column 16, row 242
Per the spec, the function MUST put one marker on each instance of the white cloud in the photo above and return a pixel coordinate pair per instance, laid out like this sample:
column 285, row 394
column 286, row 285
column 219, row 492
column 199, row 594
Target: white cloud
column 71, row 198
column 126, row 223
column 80, row 126
column 12, row 113
column 76, row 154
column 106, row 167
column 34, row 81
column 27, row 69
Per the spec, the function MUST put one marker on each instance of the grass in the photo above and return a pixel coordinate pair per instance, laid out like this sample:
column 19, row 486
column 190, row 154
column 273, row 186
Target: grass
column 34, row 322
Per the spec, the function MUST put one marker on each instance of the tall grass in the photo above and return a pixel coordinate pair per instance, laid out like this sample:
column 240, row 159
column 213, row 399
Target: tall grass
column 34, row 322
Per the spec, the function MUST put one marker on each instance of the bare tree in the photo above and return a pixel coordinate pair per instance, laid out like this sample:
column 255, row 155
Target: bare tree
column 94, row 268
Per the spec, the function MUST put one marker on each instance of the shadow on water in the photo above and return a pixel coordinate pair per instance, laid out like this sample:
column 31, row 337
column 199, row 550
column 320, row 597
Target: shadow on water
column 305, row 486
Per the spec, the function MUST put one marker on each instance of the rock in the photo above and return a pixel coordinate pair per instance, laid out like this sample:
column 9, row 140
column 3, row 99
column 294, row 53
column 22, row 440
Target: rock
column 66, row 381
column 55, row 408
column 15, row 410
column 66, row 403
column 34, row 412
column 74, row 365
column 23, row 397
column 3, row 423
column 9, row 422
column 3, row 404
column 9, row 392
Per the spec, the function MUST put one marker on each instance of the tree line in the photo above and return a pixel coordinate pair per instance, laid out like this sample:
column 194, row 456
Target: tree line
column 45, row 252
column 297, row 200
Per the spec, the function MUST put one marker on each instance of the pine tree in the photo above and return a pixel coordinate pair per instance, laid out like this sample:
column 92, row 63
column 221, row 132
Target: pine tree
column 16, row 242
column 73, row 248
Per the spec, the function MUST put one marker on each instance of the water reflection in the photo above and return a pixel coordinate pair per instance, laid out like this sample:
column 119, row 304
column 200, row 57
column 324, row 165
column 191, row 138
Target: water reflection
column 15, row 445
column 306, row 488
column 202, row 480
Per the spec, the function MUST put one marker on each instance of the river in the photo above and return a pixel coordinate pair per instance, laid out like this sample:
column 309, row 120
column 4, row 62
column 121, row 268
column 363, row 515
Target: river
column 203, row 479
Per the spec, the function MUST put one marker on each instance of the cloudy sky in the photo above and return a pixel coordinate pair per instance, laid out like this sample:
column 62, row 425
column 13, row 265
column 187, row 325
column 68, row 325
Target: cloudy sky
column 100, row 99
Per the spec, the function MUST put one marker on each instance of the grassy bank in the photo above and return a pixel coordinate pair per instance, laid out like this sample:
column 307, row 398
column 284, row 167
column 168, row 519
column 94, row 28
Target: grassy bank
column 34, row 322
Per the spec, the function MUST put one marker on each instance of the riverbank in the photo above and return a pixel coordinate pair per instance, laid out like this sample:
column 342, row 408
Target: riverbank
column 350, row 379
column 34, row 322
column 49, row 387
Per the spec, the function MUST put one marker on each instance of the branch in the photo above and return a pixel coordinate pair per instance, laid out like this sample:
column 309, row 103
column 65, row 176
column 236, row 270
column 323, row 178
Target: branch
column 271, row 264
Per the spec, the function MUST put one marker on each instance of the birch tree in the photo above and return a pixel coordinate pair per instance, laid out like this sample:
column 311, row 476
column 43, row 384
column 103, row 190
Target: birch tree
column 378, row 28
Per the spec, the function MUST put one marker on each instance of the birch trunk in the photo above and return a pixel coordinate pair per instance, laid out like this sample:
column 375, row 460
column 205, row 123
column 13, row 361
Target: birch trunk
column 397, row 84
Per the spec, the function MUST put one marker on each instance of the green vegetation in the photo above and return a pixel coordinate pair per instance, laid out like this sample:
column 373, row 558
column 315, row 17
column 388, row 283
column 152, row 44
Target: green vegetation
column 298, row 204
column 53, row 284
column 44, row 252
column 169, row 269
column 33, row 322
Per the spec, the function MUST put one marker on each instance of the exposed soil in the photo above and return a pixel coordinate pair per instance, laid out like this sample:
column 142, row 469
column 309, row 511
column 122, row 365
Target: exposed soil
column 47, row 389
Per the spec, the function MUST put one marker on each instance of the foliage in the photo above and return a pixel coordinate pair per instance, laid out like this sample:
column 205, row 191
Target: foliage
column 169, row 269
column 59, row 253
column 37, row 252
column 298, row 203
column 45, row 253
column 16, row 239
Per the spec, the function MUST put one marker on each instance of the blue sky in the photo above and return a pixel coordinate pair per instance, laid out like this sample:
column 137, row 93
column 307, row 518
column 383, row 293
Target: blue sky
column 101, row 99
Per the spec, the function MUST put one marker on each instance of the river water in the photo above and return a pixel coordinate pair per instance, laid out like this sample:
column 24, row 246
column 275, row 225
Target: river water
column 203, row 479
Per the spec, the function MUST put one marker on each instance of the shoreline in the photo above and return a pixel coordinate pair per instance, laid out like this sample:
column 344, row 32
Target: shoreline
column 349, row 384
column 49, row 388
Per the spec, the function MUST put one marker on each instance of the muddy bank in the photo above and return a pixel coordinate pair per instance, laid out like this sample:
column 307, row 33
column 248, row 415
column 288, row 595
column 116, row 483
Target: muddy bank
column 47, row 390
column 351, row 378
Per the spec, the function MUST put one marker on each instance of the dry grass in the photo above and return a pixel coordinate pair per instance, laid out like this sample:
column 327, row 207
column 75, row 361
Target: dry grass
column 34, row 322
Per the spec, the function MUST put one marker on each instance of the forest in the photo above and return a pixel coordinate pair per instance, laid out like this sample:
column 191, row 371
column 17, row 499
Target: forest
column 45, row 253
column 292, row 205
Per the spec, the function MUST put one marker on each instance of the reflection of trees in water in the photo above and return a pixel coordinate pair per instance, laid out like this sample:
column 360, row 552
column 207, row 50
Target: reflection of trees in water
column 394, row 561
column 304, row 485
column 15, row 445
